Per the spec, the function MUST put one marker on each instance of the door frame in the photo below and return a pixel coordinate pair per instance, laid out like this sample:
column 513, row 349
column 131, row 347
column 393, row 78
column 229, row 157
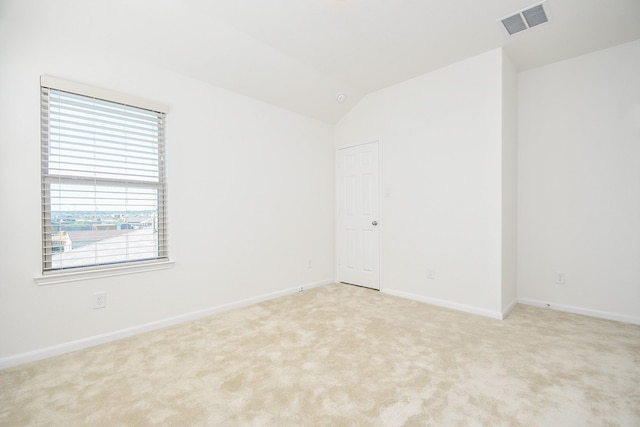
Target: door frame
column 338, row 206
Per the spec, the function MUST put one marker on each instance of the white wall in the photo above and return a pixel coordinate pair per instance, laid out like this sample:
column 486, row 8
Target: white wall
column 250, row 200
column 509, row 184
column 441, row 162
column 579, row 184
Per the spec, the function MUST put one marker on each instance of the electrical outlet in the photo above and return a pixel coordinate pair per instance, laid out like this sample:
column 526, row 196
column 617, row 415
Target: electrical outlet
column 431, row 273
column 99, row 300
column 310, row 264
column 561, row 278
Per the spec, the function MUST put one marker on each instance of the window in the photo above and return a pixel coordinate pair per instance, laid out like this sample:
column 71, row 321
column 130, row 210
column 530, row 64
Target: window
column 104, row 190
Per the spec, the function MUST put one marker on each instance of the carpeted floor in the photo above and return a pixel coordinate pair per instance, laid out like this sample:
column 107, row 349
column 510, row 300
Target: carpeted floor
column 343, row 356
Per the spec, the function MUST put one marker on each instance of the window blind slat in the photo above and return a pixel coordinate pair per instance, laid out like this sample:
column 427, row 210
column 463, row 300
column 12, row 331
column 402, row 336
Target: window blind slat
column 104, row 146
column 98, row 172
column 82, row 107
column 96, row 134
column 79, row 180
column 111, row 118
column 90, row 129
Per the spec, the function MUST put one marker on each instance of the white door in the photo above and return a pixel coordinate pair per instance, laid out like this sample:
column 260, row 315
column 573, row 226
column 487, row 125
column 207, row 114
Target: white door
column 358, row 204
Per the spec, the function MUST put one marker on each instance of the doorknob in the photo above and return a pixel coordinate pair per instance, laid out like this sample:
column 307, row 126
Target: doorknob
column 374, row 223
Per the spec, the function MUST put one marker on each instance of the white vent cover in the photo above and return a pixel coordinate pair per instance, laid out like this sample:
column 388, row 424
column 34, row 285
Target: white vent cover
column 525, row 19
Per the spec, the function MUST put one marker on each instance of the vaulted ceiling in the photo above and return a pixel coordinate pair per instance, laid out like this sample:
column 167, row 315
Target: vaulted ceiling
column 299, row 54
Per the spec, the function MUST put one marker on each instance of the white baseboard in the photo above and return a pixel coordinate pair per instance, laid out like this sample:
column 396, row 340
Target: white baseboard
column 445, row 303
column 584, row 311
column 56, row 350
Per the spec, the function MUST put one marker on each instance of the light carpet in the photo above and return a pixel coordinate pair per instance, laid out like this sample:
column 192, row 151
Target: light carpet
column 341, row 355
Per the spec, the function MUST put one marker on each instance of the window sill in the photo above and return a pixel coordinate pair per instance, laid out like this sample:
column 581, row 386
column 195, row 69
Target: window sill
column 74, row 276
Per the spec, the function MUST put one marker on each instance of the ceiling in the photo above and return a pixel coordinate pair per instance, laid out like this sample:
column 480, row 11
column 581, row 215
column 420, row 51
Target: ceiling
column 299, row 54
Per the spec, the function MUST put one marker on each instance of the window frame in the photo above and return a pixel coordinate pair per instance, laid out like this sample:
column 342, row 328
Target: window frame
column 70, row 273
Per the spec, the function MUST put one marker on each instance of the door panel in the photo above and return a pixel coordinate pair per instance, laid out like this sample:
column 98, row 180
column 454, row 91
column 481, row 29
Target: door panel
column 358, row 207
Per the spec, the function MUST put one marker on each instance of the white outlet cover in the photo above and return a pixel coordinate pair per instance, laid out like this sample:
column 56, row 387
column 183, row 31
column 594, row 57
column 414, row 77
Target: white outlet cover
column 99, row 300
column 431, row 274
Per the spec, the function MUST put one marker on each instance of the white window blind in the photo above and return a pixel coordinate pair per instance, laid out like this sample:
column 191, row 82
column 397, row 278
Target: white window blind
column 104, row 190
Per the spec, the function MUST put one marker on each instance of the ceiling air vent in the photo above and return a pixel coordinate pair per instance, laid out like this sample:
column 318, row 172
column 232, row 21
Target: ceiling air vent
column 526, row 19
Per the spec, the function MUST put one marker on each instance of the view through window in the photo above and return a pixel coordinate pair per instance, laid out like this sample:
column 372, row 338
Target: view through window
column 103, row 182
